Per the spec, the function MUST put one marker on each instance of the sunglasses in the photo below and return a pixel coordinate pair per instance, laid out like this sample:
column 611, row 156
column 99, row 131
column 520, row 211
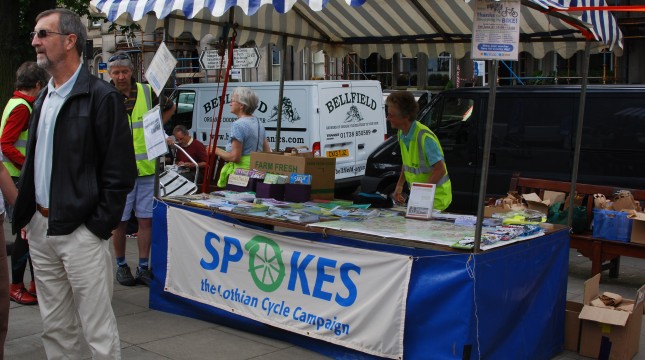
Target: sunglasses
column 118, row 57
column 43, row 34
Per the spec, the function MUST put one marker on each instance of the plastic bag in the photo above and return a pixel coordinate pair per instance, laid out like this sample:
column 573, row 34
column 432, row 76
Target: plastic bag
column 612, row 225
column 558, row 216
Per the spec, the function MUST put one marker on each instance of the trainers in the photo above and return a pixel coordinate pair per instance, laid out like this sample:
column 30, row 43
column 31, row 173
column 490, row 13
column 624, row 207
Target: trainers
column 19, row 294
column 124, row 276
column 144, row 276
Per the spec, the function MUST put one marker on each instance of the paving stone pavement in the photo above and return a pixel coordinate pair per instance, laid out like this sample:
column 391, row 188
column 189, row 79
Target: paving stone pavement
column 150, row 334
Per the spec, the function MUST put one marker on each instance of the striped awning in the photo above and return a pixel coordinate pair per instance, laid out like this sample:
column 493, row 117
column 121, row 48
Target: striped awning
column 386, row 27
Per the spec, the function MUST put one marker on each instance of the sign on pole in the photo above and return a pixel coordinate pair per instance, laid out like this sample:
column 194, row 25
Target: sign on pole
column 243, row 58
column 160, row 68
column 496, row 30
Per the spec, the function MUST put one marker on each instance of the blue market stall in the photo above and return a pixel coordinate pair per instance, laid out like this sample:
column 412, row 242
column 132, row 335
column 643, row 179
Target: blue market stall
column 504, row 303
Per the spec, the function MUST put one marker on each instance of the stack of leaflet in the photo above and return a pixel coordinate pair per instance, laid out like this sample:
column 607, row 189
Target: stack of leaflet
column 352, row 213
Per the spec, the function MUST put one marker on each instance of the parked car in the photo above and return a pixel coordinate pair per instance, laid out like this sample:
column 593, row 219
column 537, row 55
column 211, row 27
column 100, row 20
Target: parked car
column 533, row 133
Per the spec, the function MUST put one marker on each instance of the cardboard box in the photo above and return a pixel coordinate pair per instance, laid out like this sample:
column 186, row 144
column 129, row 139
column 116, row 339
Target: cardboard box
column 297, row 192
column 273, row 191
column 572, row 325
column 322, row 170
column 511, row 202
column 490, row 210
column 638, row 227
column 535, row 203
column 554, row 196
column 617, row 330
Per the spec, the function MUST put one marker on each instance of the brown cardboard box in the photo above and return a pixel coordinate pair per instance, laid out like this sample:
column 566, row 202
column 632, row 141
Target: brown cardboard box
column 554, row 196
column 572, row 326
column 638, row 227
column 322, row 170
column 490, row 210
column 512, row 201
column 621, row 328
column 535, row 203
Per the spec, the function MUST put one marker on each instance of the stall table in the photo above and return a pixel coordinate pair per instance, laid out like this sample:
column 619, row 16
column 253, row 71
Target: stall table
column 352, row 295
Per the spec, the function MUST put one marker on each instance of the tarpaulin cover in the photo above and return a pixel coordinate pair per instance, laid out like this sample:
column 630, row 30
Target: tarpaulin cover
column 502, row 304
column 364, row 27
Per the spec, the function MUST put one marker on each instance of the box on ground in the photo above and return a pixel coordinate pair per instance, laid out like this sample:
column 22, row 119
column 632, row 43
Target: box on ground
column 615, row 332
column 572, row 326
column 322, row 170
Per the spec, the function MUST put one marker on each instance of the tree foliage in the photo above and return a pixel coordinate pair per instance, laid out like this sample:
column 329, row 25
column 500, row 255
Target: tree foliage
column 17, row 20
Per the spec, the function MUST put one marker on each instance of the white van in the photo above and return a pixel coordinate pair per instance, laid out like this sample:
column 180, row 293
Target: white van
column 341, row 119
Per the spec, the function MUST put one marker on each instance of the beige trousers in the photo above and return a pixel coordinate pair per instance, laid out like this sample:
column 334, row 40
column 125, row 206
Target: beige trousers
column 74, row 281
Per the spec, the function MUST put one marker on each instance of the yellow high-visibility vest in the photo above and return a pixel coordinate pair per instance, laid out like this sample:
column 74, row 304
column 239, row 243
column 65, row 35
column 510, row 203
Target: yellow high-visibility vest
column 145, row 167
column 21, row 142
column 416, row 168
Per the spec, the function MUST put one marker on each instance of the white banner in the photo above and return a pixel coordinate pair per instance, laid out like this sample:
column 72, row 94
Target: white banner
column 348, row 296
column 496, row 29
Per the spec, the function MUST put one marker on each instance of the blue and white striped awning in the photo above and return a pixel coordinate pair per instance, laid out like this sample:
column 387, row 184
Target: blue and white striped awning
column 365, row 26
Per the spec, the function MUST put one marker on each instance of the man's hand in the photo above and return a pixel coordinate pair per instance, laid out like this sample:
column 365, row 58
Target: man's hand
column 170, row 141
column 398, row 195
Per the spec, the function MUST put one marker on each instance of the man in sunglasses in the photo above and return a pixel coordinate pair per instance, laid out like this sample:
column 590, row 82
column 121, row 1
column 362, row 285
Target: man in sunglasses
column 138, row 98
column 79, row 168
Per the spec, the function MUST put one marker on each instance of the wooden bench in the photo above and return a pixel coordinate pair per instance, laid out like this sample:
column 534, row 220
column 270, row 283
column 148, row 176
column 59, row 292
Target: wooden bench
column 604, row 254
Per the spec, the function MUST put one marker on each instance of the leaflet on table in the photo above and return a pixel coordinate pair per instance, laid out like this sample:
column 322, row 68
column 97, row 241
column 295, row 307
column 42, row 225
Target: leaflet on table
column 421, row 201
column 500, row 235
column 354, row 213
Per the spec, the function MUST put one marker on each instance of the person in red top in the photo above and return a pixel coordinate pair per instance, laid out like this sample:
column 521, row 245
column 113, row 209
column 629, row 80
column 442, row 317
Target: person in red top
column 195, row 149
column 30, row 79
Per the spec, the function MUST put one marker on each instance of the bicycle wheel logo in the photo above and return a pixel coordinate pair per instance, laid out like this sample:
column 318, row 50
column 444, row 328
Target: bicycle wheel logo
column 265, row 263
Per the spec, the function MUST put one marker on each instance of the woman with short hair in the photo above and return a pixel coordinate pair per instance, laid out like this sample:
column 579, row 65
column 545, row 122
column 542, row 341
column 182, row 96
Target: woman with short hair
column 247, row 134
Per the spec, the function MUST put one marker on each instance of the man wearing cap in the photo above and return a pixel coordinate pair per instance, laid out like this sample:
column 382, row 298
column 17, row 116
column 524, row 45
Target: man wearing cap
column 138, row 99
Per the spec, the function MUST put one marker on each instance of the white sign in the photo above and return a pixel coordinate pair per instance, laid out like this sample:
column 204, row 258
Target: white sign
column 421, row 201
column 243, row 58
column 153, row 133
column 344, row 295
column 236, row 74
column 496, row 29
column 160, row 69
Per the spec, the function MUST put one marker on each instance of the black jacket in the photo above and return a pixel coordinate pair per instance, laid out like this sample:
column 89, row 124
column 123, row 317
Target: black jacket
column 93, row 165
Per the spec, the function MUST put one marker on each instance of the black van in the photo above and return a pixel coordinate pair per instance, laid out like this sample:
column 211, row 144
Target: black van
column 533, row 133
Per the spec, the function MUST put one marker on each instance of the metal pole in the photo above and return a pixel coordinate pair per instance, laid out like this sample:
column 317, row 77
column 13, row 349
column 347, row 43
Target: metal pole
column 158, row 160
column 492, row 71
column 283, row 70
column 581, row 116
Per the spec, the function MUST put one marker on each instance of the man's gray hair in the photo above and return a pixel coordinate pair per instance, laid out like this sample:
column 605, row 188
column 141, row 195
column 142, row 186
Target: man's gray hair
column 69, row 23
column 120, row 58
column 248, row 98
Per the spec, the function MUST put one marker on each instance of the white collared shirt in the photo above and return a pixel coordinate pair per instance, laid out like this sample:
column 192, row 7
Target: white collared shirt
column 45, row 143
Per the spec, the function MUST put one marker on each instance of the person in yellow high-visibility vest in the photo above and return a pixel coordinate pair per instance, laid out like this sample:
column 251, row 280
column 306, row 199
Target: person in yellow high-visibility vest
column 139, row 98
column 30, row 79
column 421, row 152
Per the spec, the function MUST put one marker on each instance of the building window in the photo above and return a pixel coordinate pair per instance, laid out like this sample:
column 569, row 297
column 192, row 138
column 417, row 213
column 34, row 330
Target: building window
column 275, row 64
column 318, row 60
column 408, row 72
column 95, row 24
